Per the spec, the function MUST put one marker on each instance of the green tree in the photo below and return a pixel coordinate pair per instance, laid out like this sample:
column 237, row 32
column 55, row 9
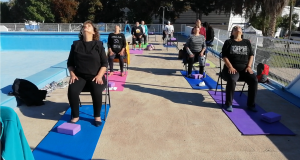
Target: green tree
column 202, row 7
column 36, row 10
column 285, row 21
column 4, row 18
column 112, row 11
column 64, row 10
column 270, row 10
column 88, row 9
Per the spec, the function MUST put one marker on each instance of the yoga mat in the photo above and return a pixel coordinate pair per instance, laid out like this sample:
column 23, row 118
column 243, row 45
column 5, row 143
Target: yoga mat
column 137, row 51
column 207, row 61
column 248, row 122
column 58, row 146
column 142, row 45
column 119, row 80
column 209, row 82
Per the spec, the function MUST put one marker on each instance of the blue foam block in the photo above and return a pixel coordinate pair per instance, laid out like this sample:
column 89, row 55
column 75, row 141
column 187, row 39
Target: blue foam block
column 209, row 82
column 78, row 147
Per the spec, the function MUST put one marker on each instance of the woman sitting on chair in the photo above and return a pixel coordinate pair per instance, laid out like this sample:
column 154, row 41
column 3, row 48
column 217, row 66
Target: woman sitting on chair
column 195, row 47
column 87, row 65
column 116, row 49
column 238, row 57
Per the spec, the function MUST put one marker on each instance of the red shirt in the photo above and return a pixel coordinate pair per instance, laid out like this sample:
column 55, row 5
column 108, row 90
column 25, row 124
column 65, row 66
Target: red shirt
column 202, row 32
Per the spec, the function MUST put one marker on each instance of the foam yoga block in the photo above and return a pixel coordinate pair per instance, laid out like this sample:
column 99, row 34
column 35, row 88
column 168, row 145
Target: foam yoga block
column 69, row 128
column 207, row 64
column 173, row 39
column 111, row 84
column 271, row 117
column 196, row 76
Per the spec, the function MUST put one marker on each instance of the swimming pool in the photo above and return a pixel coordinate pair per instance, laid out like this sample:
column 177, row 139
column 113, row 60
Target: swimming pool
column 36, row 56
column 41, row 40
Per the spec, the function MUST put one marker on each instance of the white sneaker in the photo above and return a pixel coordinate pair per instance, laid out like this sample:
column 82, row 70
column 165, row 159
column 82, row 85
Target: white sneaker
column 202, row 84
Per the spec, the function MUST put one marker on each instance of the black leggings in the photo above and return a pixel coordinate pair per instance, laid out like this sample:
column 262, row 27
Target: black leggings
column 145, row 38
column 231, row 79
column 96, row 91
column 111, row 62
column 191, row 61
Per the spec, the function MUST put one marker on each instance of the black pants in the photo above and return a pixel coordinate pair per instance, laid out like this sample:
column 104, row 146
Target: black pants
column 231, row 79
column 192, row 60
column 96, row 91
column 145, row 38
column 111, row 62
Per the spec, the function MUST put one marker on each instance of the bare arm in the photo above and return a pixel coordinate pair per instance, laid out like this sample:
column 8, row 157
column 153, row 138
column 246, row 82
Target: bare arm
column 250, row 61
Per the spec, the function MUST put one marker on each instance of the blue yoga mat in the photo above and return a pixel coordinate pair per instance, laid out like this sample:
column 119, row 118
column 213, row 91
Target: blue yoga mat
column 57, row 146
column 209, row 82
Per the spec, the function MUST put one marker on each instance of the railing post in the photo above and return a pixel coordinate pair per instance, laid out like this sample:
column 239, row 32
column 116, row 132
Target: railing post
column 105, row 27
column 57, row 27
column 254, row 53
column 15, row 27
column 218, row 40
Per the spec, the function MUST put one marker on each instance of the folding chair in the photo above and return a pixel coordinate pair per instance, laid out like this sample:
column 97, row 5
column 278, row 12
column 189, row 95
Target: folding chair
column 186, row 57
column 220, row 79
column 106, row 94
column 126, row 59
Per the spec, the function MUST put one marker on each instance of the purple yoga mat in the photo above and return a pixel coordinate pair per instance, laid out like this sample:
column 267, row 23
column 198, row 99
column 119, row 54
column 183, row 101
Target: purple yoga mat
column 137, row 51
column 247, row 122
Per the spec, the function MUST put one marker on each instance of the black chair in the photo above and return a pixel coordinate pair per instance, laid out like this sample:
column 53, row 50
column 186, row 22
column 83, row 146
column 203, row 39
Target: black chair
column 221, row 79
column 186, row 56
column 106, row 94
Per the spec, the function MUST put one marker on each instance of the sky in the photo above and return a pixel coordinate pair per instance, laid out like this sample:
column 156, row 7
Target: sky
column 4, row 0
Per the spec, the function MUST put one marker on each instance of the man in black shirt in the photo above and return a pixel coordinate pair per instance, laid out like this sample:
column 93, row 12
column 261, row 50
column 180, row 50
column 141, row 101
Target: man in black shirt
column 116, row 47
column 238, row 57
column 137, row 33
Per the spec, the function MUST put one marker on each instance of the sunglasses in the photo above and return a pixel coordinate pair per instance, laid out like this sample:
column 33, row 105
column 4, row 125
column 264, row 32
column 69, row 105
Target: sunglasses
column 236, row 27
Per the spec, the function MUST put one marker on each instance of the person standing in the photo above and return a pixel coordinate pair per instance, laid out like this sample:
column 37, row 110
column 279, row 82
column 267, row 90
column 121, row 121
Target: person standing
column 137, row 33
column 202, row 30
column 169, row 29
column 145, row 32
column 116, row 49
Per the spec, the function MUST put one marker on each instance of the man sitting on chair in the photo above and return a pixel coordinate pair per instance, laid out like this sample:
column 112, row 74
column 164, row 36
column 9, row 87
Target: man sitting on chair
column 238, row 57
column 116, row 49
column 137, row 33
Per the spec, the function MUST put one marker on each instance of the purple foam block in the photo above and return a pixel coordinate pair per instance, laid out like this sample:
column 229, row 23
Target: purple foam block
column 173, row 39
column 270, row 117
column 69, row 128
column 196, row 76
column 111, row 84
column 207, row 64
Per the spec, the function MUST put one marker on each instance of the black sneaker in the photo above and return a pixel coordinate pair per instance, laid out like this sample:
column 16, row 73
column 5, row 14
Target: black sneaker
column 253, row 109
column 189, row 76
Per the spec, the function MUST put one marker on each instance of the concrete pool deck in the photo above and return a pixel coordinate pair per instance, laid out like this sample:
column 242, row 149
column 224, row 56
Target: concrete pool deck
column 159, row 116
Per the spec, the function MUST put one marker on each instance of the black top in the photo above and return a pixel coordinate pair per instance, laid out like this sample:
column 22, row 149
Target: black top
column 116, row 42
column 238, row 53
column 87, row 57
column 137, row 31
column 210, row 34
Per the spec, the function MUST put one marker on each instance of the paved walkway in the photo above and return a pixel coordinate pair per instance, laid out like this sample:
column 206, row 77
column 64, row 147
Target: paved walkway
column 159, row 116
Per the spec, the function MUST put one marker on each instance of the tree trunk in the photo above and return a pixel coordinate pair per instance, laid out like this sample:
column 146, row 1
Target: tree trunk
column 271, row 31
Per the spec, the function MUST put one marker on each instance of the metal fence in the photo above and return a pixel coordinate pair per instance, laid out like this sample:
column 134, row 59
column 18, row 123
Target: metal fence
column 75, row 27
column 282, row 55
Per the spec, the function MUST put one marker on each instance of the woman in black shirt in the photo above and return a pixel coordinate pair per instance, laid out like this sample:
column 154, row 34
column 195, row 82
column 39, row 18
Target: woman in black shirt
column 87, row 65
column 238, row 57
column 116, row 48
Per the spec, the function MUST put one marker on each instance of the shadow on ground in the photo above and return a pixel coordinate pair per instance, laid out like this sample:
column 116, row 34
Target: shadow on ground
column 194, row 99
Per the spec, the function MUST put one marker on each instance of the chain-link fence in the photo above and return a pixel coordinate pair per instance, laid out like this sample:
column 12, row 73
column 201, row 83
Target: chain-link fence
column 282, row 55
